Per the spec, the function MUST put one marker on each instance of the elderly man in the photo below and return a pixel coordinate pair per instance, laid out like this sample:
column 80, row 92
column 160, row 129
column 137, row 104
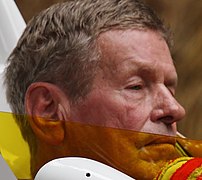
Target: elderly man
column 101, row 63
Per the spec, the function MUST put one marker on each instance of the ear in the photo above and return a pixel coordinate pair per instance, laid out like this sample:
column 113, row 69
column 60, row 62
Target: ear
column 48, row 108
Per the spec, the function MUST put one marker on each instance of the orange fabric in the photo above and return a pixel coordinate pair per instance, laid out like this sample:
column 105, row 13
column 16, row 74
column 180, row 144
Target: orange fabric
column 121, row 149
column 140, row 155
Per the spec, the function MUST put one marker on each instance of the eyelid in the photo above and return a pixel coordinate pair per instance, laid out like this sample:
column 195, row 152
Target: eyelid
column 135, row 87
column 171, row 86
column 135, row 83
column 172, row 90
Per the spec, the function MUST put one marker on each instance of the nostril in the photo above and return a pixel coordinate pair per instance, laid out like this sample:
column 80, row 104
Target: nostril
column 167, row 119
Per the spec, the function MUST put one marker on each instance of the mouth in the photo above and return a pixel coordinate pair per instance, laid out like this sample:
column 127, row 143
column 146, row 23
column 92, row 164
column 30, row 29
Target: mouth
column 161, row 140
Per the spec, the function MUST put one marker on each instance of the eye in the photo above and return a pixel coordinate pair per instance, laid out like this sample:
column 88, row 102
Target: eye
column 172, row 91
column 136, row 87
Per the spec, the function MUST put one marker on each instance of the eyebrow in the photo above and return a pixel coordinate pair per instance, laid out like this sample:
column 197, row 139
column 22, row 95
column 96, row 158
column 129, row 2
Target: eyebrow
column 148, row 71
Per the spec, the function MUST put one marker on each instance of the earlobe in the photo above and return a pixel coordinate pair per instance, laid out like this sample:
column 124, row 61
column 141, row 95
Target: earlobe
column 47, row 110
column 49, row 131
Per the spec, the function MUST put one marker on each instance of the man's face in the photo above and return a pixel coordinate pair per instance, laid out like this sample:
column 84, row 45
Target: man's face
column 135, row 86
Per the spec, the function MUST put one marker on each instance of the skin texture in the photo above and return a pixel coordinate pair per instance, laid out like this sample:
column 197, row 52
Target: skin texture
column 135, row 86
column 133, row 90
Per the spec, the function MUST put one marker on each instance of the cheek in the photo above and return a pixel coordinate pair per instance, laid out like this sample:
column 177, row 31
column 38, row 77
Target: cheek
column 110, row 111
column 137, row 114
column 106, row 110
column 135, row 117
column 113, row 110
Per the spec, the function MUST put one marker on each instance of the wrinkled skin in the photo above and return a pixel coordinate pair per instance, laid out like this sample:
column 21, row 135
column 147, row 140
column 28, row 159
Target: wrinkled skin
column 133, row 90
column 135, row 86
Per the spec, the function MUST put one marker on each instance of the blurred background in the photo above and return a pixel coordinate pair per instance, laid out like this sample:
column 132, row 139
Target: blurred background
column 185, row 20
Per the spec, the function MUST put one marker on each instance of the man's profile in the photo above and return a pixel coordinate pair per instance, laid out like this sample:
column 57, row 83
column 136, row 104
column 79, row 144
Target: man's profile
column 104, row 63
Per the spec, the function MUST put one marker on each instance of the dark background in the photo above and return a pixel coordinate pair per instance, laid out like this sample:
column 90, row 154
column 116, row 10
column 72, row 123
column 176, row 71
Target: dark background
column 185, row 19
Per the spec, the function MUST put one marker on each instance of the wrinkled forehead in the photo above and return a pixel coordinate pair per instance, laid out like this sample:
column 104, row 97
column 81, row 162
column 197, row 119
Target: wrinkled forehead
column 121, row 48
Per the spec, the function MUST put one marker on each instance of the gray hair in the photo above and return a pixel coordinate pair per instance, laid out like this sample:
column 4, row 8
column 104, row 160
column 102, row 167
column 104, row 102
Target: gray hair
column 59, row 46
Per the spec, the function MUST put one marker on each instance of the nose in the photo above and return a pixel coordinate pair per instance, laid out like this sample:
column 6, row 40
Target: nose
column 166, row 108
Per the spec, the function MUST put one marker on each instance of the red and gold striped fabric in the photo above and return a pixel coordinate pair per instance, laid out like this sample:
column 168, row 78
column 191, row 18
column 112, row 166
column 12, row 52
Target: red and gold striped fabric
column 184, row 168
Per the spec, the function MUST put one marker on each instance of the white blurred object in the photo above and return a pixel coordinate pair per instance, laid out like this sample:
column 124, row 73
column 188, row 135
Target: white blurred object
column 11, row 27
column 6, row 173
column 180, row 135
column 75, row 168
